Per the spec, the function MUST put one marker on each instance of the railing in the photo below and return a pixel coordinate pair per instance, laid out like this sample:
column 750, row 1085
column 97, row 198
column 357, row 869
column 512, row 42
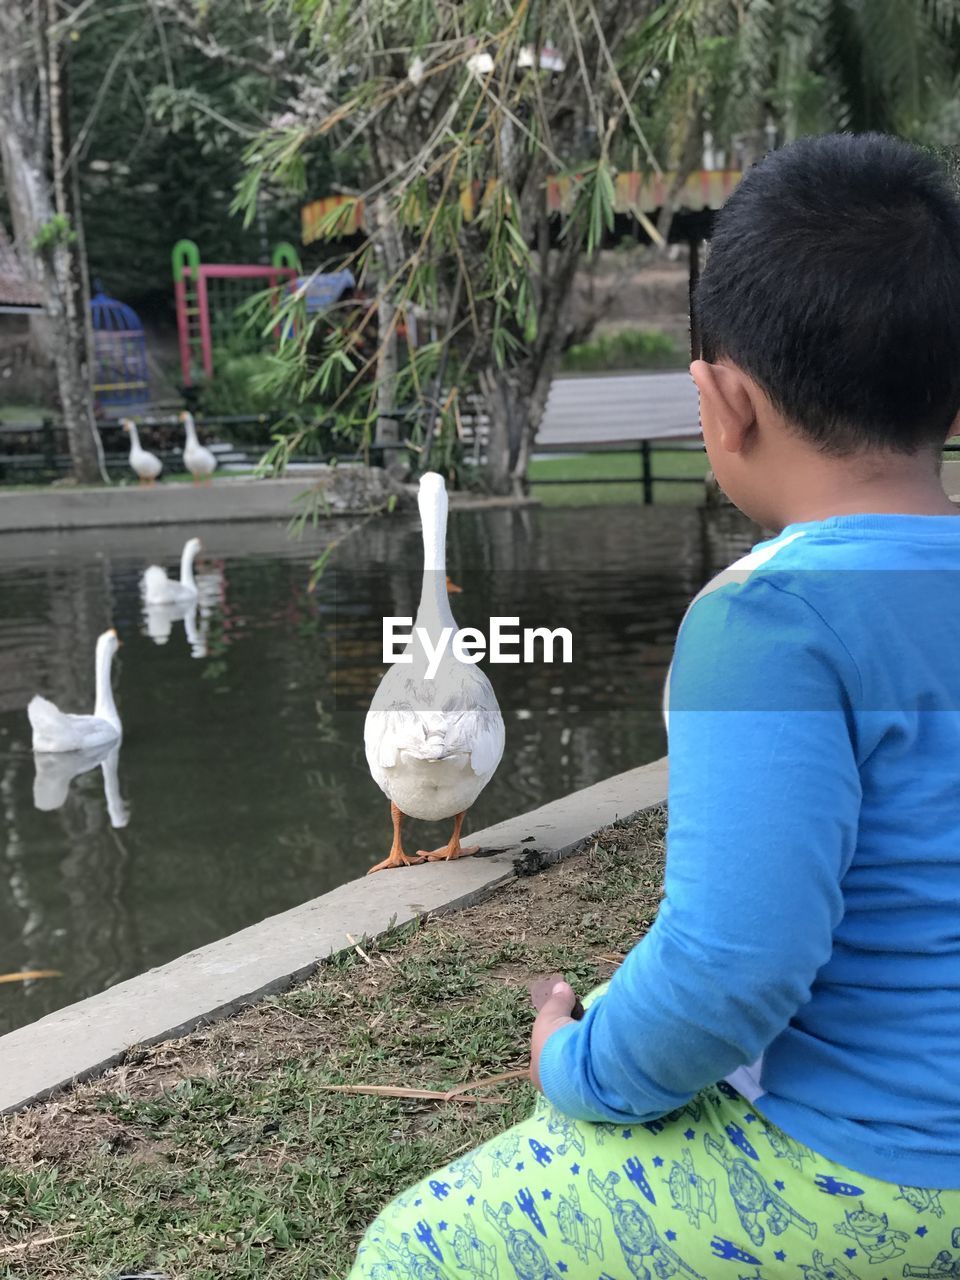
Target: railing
column 51, row 459
column 38, row 450
column 647, row 476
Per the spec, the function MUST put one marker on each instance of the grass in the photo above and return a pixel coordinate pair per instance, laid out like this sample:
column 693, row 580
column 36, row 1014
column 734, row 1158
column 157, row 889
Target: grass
column 674, row 462
column 221, row 1155
column 623, row 350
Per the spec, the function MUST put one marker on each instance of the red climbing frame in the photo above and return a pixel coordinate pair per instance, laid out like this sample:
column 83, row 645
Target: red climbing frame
column 208, row 296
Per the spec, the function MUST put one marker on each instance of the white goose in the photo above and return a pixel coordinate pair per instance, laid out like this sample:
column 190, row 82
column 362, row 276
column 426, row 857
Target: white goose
column 198, row 460
column 432, row 745
column 55, row 730
column 157, row 588
column 146, row 464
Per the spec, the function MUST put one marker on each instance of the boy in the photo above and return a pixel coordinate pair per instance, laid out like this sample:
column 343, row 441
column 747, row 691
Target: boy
column 807, row 951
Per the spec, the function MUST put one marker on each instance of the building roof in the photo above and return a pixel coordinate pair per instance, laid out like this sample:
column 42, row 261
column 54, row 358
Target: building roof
column 16, row 291
column 703, row 190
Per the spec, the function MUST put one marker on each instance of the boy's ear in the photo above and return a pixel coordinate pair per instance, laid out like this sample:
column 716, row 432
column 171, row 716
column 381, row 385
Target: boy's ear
column 726, row 408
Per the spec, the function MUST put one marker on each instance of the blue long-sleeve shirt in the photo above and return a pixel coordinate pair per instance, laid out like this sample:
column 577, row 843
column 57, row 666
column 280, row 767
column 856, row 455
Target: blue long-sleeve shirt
column 810, row 929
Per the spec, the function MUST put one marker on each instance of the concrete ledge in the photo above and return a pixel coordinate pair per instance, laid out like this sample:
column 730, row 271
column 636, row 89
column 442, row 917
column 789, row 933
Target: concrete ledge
column 347, row 490
column 84, row 1039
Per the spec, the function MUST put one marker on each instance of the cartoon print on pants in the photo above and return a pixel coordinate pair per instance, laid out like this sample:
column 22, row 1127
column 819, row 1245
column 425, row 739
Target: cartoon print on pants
column 578, row 1228
column 637, row 1235
column 409, row 1265
column 691, row 1193
column 945, row 1266
column 872, row 1233
column 565, row 1130
column 524, row 1254
column 823, row 1270
column 502, row 1150
column 788, row 1149
column 477, row 1259
column 465, row 1170
column 753, row 1197
column 923, row 1199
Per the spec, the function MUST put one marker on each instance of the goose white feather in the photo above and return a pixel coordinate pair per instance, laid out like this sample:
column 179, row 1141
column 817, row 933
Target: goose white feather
column 433, row 745
column 56, row 730
column 146, row 464
column 159, row 589
column 198, row 460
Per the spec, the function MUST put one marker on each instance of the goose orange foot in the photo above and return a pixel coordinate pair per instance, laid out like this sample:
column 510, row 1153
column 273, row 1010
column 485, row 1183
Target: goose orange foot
column 453, row 849
column 396, row 857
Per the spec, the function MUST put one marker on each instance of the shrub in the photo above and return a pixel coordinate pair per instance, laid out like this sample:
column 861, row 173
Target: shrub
column 626, row 349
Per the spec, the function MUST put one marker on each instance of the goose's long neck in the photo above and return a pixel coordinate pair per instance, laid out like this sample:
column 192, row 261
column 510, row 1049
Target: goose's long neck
column 134, row 439
column 106, row 708
column 190, row 429
column 434, row 607
column 187, row 558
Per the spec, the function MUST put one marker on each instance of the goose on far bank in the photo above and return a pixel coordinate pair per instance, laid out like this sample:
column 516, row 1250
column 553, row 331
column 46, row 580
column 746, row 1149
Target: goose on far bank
column 157, row 588
column 146, row 464
column 198, row 460
column 56, row 730
column 432, row 745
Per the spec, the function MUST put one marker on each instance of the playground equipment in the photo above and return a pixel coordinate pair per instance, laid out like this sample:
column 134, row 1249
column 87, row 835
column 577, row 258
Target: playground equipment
column 120, row 378
column 209, row 298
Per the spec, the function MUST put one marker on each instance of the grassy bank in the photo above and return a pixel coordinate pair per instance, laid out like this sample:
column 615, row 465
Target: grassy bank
column 221, row 1154
column 669, row 462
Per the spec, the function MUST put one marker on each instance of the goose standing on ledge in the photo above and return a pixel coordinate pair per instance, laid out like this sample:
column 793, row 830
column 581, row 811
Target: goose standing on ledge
column 146, row 464
column 157, row 588
column 432, row 745
column 55, row 730
column 198, row 460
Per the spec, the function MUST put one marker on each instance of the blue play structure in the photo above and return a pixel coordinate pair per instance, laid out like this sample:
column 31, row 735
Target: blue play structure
column 120, row 377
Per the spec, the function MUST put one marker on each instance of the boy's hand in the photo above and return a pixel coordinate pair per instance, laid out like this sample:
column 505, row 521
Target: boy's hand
column 557, row 1004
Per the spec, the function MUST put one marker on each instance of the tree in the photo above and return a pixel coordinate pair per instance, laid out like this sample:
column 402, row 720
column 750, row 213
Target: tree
column 167, row 95
column 466, row 112
column 38, row 178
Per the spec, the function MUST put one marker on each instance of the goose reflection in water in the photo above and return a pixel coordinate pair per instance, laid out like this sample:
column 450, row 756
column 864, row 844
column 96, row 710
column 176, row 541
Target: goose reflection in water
column 159, row 620
column 54, row 774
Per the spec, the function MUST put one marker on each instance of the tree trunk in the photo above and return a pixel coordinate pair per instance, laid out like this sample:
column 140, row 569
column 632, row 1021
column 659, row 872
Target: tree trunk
column 506, row 407
column 388, row 256
column 34, row 201
column 516, row 400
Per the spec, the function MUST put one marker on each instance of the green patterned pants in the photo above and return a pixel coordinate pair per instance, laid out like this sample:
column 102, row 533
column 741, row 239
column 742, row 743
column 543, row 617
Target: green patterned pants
column 711, row 1192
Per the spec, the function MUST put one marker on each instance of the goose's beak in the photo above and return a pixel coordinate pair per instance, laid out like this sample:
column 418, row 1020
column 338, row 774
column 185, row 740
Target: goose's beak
column 453, row 589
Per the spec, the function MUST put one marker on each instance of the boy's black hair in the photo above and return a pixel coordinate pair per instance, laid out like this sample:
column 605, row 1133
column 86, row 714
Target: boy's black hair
column 833, row 279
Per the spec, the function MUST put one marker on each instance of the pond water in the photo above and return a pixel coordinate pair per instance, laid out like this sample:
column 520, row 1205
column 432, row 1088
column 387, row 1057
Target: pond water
column 241, row 788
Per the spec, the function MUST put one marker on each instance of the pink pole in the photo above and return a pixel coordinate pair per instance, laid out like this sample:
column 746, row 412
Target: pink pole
column 183, row 329
column 206, row 343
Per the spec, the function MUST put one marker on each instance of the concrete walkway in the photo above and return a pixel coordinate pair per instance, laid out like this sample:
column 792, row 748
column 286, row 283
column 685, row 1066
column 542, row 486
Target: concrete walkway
column 217, row 980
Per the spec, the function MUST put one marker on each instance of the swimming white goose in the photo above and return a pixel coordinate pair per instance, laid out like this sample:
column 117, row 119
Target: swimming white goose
column 432, row 745
column 146, row 464
column 199, row 461
column 157, row 588
column 55, row 730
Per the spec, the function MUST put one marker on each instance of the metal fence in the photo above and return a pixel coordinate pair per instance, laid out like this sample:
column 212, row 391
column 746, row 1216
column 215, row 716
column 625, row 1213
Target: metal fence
column 37, row 451
column 31, row 451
